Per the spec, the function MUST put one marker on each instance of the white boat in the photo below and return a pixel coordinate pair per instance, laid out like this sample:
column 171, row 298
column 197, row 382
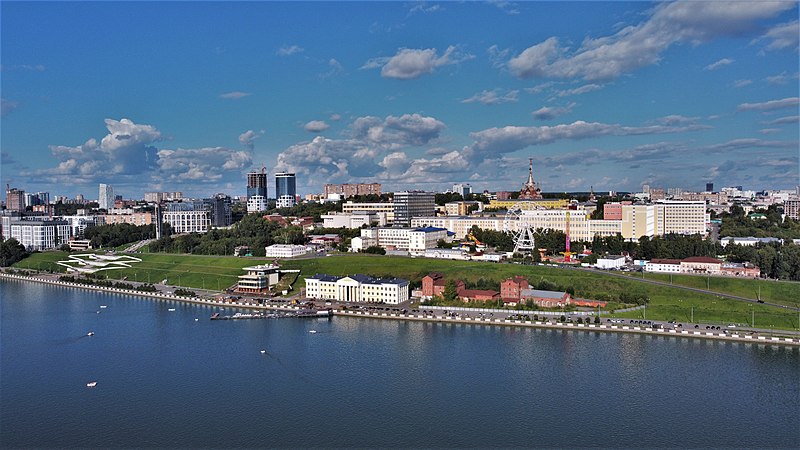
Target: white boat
column 196, row 319
column 91, row 384
column 263, row 351
column 312, row 331
column 171, row 309
column 103, row 306
column 91, row 333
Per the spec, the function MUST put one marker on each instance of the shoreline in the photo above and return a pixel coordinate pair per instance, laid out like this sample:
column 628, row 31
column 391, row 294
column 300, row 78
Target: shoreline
column 731, row 337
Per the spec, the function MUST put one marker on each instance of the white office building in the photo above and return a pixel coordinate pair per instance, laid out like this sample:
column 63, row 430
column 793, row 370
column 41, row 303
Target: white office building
column 286, row 251
column 39, row 234
column 353, row 220
column 413, row 240
column 357, row 288
column 610, row 262
column 187, row 217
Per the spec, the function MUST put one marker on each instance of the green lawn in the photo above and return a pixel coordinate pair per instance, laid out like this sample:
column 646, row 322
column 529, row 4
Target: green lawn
column 782, row 292
column 666, row 303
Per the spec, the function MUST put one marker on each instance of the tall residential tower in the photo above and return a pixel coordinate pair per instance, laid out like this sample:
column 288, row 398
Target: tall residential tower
column 285, row 189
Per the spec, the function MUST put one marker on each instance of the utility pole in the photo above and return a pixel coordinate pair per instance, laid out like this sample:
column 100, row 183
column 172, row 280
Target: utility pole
column 692, row 320
column 753, row 320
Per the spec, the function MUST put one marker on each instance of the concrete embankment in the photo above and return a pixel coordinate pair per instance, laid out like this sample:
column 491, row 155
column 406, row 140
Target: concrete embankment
column 731, row 336
column 734, row 337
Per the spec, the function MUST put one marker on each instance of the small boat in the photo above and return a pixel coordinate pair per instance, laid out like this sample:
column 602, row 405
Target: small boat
column 171, row 309
column 312, row 331
column 263, row 351
column 98, row 312
column 103, row 306
column 196, row 319
column 91, row 333
column 91, row 384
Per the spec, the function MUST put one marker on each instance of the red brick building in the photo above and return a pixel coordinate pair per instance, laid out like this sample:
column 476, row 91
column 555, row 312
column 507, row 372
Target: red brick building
column 434, row 283
column 512, row 288
column 478, row 295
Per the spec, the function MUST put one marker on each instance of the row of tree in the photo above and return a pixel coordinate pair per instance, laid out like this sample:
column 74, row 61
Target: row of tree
column 765, row 223
column 114, row 235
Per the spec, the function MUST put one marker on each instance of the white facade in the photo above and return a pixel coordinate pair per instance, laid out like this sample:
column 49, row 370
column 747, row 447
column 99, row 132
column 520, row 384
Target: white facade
column 353, row 220
column 40, row 234
column 286, row 251
column 447, row 253
column 387, row 208
column 683, row 217
column 106, row 197
column 78, row 224
column 663, row 266
column 357, row 288
column 747, row 241
column 460, row 225
column 415, row 240
column 610, row 262
column 188, row 221
column 256, row 203
column 258, row 278
column 285, row 201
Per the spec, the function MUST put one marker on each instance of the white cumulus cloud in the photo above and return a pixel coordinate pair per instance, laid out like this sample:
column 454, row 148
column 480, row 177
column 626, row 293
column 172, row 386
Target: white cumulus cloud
column 642, row 45
column 411, row 63
column 316, row 126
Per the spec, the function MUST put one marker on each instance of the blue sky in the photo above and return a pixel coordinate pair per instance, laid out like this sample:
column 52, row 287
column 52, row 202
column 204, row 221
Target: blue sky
column 189, row 97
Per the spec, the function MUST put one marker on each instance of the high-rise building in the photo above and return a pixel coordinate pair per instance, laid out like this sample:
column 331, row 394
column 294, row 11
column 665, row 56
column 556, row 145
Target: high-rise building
column 106, row 197
column 410, row 204
column 463, row 189
column 220, row 207
column 285, row 189
column 709, row 187
column 257, row 183
column 15, row 199
column 188, row 217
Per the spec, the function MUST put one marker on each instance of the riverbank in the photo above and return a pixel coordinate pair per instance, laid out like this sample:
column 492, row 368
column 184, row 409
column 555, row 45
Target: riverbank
column 761, row 338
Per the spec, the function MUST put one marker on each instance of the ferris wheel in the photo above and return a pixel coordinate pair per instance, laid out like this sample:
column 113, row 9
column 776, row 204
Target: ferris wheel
column 520, row 229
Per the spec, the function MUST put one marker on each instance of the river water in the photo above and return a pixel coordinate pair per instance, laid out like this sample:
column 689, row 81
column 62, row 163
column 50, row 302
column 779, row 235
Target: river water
column 165, row 379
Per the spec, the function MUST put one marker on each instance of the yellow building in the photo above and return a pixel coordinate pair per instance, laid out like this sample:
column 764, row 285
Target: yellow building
column 545, row 203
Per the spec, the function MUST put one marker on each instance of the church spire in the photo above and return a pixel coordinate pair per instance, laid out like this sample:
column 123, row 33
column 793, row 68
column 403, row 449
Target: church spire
column 529, row 190
column 530, row 173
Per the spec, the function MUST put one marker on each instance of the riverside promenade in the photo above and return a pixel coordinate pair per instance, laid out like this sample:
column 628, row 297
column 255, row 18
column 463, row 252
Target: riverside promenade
column 424, row 317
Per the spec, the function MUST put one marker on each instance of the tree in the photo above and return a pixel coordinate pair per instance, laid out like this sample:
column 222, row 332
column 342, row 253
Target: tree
column 375, row 250
column 11, row 251
column 441, row 243
column 450, row 292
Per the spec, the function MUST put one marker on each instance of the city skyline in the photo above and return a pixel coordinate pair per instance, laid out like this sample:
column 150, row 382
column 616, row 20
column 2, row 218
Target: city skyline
column 192, row 96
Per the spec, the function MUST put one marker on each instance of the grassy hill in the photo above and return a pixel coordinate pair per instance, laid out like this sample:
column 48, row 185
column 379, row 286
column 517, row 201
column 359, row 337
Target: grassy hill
column 666, row 303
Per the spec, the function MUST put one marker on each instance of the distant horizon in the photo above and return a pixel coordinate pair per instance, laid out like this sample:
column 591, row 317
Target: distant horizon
column 190, row 96
column 603, row 193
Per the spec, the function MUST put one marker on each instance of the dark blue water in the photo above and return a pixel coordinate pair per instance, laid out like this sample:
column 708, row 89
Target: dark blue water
column 166, row 380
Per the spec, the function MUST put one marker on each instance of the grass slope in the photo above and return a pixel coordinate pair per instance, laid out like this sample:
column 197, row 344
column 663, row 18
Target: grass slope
column 666, row 303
